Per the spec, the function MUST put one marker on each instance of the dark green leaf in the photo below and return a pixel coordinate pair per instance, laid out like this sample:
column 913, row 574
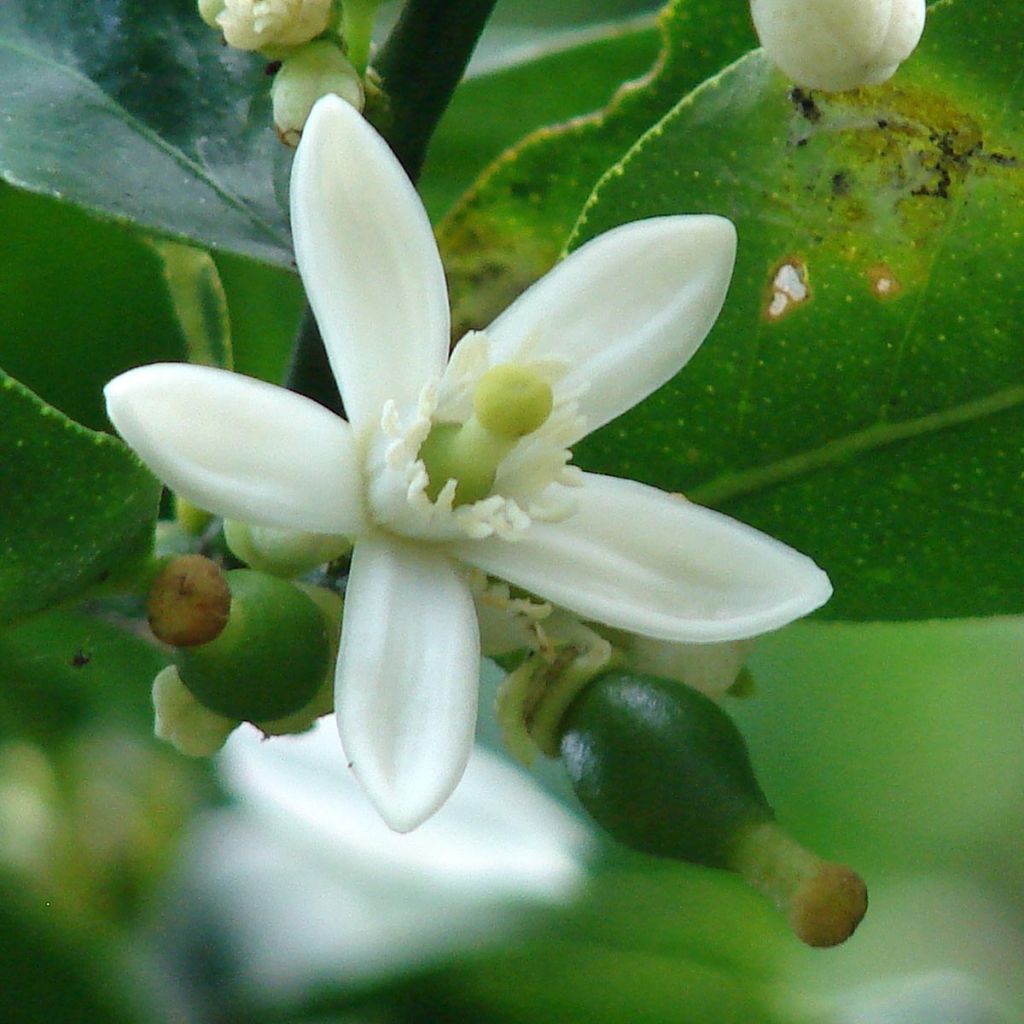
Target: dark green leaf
column 512, row 227
column 135, row 110
column 876, row 421
column 52, row 974
column 265, row 305
column 83, row 300
column 77, row 507
column 574, row 74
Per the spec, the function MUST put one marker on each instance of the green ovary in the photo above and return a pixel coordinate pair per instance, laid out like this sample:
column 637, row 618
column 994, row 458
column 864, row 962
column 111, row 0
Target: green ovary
column 510, row 402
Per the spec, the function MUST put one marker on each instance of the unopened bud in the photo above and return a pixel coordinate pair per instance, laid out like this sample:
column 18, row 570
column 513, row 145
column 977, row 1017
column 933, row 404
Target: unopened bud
column 304, row 77
column 210, row 11
column 284, row 553
column 272, row 24
column 838, row 44
column 188, row 602
column 182, row 721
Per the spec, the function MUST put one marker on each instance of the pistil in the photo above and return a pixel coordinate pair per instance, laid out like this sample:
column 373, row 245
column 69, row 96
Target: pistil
column 509, row 403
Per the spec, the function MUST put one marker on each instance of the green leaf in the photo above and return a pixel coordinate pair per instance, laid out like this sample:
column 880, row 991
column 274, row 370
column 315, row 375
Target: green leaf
column 77, row 506
column 66, row 670
column 862, row 396
column 83, row 300
column 573, row 74
column 513, row 225
column 895, row 746
column 136, row 111
column 647, row 942
column 52, row 972
column 265, row 305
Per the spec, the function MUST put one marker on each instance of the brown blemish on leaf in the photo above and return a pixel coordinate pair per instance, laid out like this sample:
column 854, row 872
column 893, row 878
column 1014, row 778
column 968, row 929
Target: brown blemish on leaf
column 805, row 104
column 883, row 281
column 788, row 288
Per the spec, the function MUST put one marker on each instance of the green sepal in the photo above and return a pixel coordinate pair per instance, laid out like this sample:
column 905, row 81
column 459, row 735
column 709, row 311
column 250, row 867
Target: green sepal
column 662, row 768
column 271, row 658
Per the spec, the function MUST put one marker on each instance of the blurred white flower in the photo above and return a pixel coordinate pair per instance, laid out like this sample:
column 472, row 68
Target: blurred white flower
column 316, row 890
column 929, row 997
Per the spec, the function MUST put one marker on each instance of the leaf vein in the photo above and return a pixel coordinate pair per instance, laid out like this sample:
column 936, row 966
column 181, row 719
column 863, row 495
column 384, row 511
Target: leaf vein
column 880, row 435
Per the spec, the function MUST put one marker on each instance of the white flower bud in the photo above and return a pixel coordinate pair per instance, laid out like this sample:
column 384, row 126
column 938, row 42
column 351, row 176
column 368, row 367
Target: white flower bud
column 182, row 721
column 210, row 11
column 710, row 668
column 838, row 44
column 259, row 24
column 284, row 553
column 304, row 77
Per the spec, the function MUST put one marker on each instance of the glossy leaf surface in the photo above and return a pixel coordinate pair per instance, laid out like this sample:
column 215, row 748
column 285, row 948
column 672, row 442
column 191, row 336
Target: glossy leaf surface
column 136, row 111
column 77, row 506
column 862, row 396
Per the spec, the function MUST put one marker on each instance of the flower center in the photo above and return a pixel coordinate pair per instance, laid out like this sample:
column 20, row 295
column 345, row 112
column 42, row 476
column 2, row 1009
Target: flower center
column 509, row 403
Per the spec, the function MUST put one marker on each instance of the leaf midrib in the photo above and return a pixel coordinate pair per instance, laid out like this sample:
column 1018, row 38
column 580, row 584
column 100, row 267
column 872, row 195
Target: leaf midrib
column 145, row 132
column 730, row 486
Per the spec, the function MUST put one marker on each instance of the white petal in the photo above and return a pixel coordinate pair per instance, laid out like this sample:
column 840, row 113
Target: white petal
column 239, row 447
column 639, row 559
column 625, row 311
column 369, row 262
column 408, row 672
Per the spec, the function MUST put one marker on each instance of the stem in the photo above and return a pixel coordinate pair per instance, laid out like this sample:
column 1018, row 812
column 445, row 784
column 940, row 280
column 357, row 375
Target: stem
column 310, row 371
column 420, row 65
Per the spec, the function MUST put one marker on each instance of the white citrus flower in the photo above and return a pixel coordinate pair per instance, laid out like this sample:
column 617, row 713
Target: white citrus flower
column 444, row 465
column 838, row 44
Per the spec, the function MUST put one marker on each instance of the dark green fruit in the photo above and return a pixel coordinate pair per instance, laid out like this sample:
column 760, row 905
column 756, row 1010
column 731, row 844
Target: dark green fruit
column 270, row 659
column 662, row 768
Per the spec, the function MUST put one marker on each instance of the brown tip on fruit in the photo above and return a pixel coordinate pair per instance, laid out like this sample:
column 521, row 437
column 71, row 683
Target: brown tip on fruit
column 189, row 602
column 827, row 908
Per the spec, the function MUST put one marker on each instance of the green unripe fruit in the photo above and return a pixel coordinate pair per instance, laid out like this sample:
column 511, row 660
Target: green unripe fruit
column 270, row 659
column 662, row 768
